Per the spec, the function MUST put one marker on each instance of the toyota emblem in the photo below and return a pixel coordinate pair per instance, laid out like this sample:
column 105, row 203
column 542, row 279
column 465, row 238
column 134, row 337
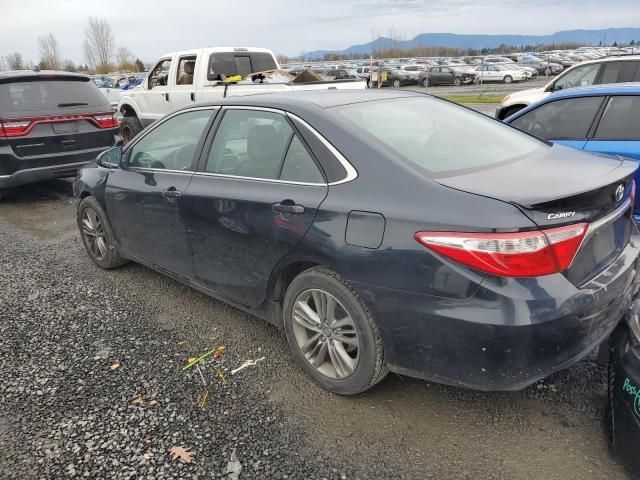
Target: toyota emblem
column 619, row 192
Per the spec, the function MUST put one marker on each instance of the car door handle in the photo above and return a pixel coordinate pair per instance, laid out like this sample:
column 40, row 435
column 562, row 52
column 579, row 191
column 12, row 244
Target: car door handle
column 288, row 208
column 166, row 96
column 193, row 97
column 171, row 193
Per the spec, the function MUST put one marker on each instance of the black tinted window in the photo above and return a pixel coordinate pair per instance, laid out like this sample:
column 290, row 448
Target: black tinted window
column 172, row 144
column 299, row 166
column 240, row 63
column 58, row 95
column 618, row 72
column 620, row 120
column 563, row 119
column 250, row 143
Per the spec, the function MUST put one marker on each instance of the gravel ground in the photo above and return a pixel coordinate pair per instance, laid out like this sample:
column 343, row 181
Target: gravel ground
column 92, row 386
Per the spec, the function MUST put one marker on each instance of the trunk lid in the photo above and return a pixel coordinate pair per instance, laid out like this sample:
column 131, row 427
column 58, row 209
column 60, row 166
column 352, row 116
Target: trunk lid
column 57, row 111
column 560, row 186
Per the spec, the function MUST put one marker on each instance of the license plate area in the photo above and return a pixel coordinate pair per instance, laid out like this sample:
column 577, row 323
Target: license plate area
column 62, row 128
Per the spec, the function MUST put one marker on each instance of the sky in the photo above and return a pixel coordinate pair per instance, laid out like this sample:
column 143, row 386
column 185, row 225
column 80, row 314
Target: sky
column 150, row 28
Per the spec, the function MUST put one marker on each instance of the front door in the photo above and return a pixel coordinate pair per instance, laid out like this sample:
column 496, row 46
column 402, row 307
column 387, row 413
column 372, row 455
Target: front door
column 143, row 198
column 251, row 202
column 154, row 98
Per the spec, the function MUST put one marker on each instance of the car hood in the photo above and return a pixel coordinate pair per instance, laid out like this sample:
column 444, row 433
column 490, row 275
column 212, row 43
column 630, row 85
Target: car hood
column 525, row 95
column 548, row 174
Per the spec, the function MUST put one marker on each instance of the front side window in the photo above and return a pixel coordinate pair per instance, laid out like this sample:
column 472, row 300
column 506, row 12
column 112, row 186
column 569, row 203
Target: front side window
column 160, row 74
column 582, row 76
column 436, row 136
column 258, row 144
column 620, row 119
column 568, row 119
column 172, row 144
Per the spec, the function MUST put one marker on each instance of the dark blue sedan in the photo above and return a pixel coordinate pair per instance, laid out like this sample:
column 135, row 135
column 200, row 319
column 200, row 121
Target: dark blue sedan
column 382, row 230
column 601, row 118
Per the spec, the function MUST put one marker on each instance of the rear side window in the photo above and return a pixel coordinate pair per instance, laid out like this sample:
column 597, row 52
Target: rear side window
column 618, row 72
column 238, row 63
column 568, row 119
column 263, row 145
column 620, row 120
column 57, row 95
column 440, row 138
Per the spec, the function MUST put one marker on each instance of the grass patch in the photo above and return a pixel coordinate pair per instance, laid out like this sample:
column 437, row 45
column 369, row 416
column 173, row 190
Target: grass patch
column 474, row 98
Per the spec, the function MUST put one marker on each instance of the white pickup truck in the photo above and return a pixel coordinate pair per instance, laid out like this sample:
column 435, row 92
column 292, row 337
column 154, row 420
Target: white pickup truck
column 195, row 76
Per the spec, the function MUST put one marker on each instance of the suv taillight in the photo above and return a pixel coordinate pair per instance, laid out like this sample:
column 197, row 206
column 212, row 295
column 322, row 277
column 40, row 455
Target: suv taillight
column 19, row 127
column 522, row 254
column 14, row 128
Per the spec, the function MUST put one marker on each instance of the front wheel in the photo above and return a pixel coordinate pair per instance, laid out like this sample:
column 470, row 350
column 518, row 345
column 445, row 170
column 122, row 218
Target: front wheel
column 396, row 83
column 130, row 127
column 332, row 333
column 508, row 79
column 97, row 235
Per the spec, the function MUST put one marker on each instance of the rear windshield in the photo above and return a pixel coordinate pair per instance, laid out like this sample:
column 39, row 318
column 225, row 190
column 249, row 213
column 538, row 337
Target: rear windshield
column 36, row 95
column 439, row 137
column 239, row 63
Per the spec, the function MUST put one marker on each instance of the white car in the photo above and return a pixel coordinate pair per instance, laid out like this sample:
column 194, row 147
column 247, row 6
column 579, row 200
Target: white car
column 499, row 73
column 180, row 79
column 608, row 70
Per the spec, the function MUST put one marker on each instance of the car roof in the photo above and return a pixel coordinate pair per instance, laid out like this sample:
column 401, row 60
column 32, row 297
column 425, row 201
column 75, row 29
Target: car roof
column 315, row 98
column 20, row 74
column 630, row 88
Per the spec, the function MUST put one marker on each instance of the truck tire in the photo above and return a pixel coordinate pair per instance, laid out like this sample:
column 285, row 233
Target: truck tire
column 508, row 79
column 129, row 128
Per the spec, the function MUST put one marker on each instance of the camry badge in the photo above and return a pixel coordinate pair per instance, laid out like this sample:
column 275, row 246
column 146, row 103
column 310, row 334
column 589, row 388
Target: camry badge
column 556, row 216
column 619, row 192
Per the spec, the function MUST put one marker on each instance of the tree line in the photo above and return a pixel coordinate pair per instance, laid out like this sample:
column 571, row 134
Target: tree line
column 101, row 53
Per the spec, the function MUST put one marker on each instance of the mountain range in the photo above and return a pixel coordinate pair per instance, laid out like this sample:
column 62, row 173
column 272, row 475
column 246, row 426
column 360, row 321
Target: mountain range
column 477, row 42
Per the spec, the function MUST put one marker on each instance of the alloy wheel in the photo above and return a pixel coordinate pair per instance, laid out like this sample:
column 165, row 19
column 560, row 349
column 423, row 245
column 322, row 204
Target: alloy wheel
column 325, row 333
column 93, row 232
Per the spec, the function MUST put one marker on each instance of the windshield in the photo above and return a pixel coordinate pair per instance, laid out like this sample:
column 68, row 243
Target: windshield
column 437, row 136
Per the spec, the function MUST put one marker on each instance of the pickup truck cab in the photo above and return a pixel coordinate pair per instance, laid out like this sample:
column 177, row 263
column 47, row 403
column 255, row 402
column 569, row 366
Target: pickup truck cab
column 180, row 79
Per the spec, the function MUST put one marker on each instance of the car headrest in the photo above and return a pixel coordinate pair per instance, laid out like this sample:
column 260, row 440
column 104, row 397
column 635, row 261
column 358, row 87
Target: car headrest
column 189, row 67
column 264, row 148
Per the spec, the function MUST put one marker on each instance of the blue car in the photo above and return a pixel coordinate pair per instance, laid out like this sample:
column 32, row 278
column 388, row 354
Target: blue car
column 600, row 118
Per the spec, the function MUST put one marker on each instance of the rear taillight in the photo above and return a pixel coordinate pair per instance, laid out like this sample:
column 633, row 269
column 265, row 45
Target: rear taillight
column 14, row 128
column 19, row 127
column 106, row 121
column 522, row 254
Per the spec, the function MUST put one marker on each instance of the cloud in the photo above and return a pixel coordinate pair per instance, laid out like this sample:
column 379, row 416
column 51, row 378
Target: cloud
column 288, row 26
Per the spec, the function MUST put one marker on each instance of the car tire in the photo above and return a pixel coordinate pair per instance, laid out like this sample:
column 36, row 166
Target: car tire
column 510, row 111
column 547, row 72
column 508, row 79
column 129, row 128
column 457, row 81
column 425, row 82
column 365, row 365
column 94, row 227
column 397, row 84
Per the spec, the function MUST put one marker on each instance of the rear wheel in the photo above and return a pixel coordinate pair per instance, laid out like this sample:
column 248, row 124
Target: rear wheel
column 425, row 82
column 508, row 79
column 332, row 333
column 457, row 81
column 97, row 235
column 396, row 83
column 130, row 127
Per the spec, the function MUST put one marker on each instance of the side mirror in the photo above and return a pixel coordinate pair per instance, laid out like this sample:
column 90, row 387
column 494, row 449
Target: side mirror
column 111, row 158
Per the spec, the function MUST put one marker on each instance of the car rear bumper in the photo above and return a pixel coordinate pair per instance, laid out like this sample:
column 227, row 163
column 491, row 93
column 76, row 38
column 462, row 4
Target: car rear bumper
column 510, row 333
column 18, row 171
column 624, row 397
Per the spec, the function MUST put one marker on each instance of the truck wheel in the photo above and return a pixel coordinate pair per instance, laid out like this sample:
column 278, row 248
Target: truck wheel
column 332, row 333
column 508, row 79
column 130, row 127
column 396, row 83
column 457, row 81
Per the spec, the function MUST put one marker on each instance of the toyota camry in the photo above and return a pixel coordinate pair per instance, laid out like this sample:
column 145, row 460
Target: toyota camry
column 382, row 230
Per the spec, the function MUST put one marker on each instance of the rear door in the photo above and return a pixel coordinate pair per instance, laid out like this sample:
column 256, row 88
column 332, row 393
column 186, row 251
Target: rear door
column 144, row 198
column 183, row 81
column 54, row 115
column 252, row 201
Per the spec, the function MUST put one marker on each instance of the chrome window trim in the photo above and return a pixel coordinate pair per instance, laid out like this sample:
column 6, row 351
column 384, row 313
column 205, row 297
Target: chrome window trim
column 618, row 212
